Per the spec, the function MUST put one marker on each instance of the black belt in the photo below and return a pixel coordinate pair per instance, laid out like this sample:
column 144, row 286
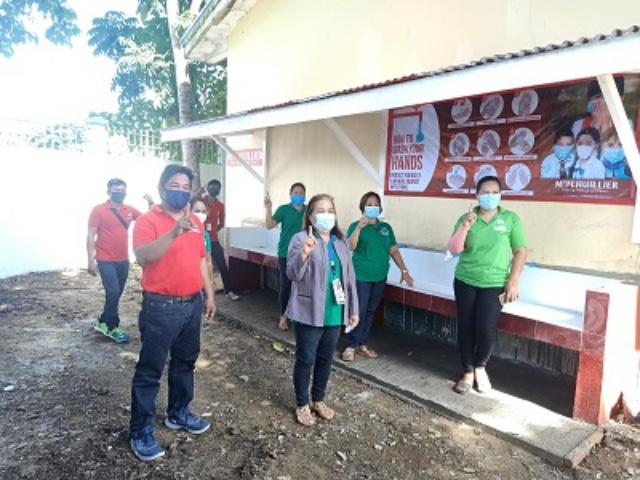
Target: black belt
column 169, row 299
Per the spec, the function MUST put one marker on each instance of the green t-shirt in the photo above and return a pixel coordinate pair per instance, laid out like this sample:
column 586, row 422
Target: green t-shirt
column 290, row 220
column 486, row 257
column 333, row 312
column 207, row 242
column 371, row 257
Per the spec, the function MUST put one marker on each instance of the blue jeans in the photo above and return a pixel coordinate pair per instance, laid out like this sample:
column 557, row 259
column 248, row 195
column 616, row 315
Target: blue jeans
column 114, row 277
column 315, row 347
column 369, row 296
column 167, row 328
column 285, row 285
column 217, row 254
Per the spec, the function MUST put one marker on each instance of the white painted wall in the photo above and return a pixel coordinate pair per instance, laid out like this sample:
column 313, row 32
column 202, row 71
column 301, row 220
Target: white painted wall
column 46, row 199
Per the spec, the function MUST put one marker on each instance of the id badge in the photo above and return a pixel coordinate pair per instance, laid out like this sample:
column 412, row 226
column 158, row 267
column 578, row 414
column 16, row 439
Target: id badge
column 338, row 292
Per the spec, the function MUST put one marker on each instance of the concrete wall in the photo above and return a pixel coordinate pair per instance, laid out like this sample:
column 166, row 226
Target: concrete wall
column 290, row 49
column 43, row 219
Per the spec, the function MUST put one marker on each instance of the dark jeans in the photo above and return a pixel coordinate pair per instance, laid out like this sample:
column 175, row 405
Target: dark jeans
column 217, row 254
column 167, row 328
column 285, row 285
column 114, row 277
column 315, row 347
column 478, row 315
column 369, row 296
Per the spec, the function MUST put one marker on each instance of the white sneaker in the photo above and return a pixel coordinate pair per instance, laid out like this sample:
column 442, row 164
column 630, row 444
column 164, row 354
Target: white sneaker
column 232, row 296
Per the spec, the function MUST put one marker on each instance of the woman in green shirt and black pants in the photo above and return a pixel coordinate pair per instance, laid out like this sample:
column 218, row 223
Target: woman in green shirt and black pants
column 487, row 237
column 290, row 216
column 372, row 242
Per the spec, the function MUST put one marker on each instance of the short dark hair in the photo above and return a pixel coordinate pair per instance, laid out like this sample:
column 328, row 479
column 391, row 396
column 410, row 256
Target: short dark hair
column 564, row 132
column 366, row 197
column 298, row 184
column 174, row 169
column 592, row 132
column 214, row 182
column 594, row 87
column 115, row 182
column 311, row 205
column 195, row 200
column 488, row 178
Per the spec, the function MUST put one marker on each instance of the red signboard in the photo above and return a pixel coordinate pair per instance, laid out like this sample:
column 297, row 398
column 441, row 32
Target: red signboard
column 549, row 143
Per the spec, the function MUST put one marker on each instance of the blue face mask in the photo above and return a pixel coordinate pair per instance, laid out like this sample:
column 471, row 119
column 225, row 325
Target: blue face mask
column 177, row 199
column 325, row 221
column 590, row 106
column 563, row 151
column 372, row 211
column 489, row 201
column 297, row 200
column 613, row 155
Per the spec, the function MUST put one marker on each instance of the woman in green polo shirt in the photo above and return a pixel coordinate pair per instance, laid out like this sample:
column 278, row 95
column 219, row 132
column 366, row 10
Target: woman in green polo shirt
column 489, row 239
column 372, row 242
column 290, row 216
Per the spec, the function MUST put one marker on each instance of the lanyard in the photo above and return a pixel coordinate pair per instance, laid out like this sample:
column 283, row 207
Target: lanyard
column 333, row 258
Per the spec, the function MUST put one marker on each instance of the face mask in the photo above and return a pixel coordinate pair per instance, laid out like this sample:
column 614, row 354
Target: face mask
column 489, row 201
column 613, row 155
column 590, row 106
column 584, row 151
column 177, row 199
column 325, row 221
column 372, row 211
column 213, row 191
column 563, row 151
column 201, row 216
column 118, row 197
column 297, row 199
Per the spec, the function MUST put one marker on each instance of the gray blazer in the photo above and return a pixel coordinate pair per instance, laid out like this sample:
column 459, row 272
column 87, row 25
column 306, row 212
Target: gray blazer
column 309, row 281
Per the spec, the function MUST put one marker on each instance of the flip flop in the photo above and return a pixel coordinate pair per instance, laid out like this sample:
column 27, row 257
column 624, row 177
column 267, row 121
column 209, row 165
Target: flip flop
column 462, row 387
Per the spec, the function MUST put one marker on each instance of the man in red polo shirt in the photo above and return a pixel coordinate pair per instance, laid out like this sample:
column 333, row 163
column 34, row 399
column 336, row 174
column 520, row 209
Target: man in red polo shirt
column 213, row 224
column 109, row 253
column 169, row 245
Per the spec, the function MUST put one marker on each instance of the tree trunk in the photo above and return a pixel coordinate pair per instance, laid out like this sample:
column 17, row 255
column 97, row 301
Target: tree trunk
column 186, row 101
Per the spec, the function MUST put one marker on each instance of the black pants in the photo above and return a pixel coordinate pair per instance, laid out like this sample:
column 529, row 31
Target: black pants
column 478, row 314
column 114, row 277
column 217, row 254
column 285, row 285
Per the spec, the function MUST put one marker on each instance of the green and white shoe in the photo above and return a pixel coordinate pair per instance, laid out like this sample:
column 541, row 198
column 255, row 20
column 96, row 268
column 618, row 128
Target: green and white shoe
column 117, row 335
column 102, row 328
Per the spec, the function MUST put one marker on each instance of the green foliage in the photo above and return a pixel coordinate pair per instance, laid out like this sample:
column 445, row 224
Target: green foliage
column 145, row 76
column 60, row 19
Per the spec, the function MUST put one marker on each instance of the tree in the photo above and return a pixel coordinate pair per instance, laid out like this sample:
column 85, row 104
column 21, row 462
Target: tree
column 157, row 86
column 61, row 21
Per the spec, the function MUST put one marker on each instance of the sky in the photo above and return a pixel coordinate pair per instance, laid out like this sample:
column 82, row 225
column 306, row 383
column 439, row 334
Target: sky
column 47, row 83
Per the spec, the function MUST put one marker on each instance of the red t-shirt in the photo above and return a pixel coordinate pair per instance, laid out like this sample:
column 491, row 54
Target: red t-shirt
column 177, row 272
column 112, row 244
column 215, row 214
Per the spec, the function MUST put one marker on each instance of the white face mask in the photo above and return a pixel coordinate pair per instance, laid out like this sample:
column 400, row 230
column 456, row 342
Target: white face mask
column 584, row 151
column 201, row 216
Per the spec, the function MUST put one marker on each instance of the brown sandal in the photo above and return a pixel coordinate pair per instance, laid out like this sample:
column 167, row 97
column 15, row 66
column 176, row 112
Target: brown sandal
column 349, row 354
column 366, row 352
column 323, row 411
column 304, row 416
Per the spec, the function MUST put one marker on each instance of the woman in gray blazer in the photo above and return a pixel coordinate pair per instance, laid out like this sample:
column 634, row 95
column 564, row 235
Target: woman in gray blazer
column 323, row 298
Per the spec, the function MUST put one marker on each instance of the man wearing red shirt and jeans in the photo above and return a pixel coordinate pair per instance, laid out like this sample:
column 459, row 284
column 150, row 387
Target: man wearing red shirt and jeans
column 214, row 223
column 109, row 253
column 169, row 245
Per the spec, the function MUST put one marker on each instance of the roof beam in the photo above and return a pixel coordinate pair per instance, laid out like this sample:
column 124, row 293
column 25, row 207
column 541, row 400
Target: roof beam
column 615, row 55
column 225, row 146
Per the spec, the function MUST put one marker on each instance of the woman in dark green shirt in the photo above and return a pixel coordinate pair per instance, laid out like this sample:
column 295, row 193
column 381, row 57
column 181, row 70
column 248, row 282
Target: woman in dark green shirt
column 489, row 239
column 290, row 216
column 373, row 243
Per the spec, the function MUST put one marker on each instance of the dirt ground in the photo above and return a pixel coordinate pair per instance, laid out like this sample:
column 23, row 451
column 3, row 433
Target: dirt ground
column 64, row 405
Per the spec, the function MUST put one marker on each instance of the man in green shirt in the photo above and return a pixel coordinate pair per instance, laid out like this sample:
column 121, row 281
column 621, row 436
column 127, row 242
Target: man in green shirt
column 290, row 216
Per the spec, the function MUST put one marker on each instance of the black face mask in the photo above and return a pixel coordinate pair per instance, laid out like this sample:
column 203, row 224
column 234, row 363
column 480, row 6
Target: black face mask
column 213, row 191
column 118, row 197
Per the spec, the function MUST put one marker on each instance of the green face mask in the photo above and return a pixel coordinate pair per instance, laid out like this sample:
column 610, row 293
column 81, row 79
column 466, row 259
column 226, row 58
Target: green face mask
column 213, row 191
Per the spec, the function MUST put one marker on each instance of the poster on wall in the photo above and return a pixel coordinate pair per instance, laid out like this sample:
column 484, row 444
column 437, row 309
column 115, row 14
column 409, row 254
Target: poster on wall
column 253, row 156
column 547, row 143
